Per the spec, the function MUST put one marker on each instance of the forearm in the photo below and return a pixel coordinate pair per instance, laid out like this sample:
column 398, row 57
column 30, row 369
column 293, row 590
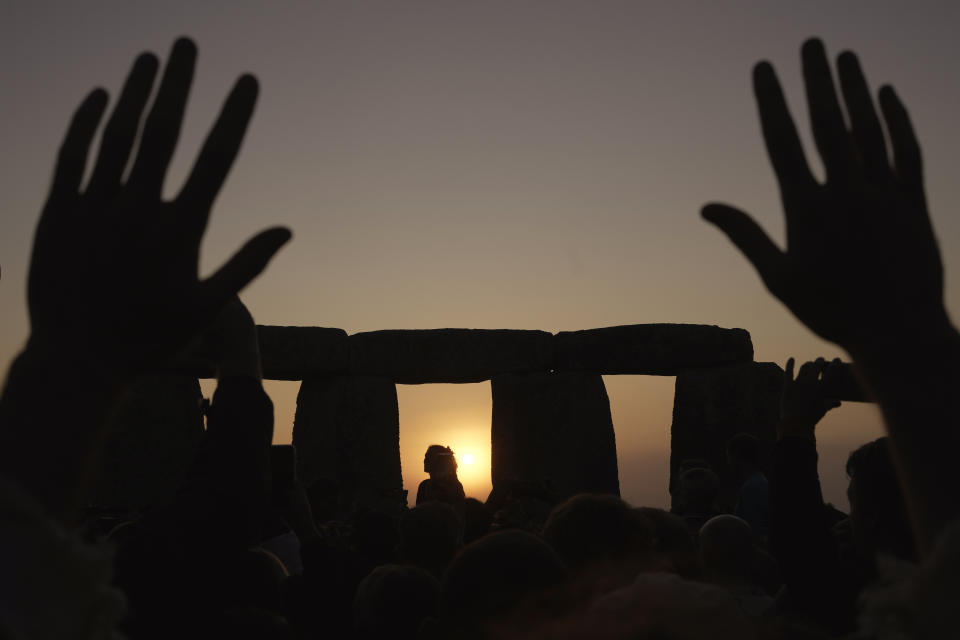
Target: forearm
column 54, row 414
column 799, row 535
column 915, row 383
column 240, row 429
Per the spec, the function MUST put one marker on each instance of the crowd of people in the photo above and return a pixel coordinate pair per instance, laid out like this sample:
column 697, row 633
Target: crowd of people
column 114, row 293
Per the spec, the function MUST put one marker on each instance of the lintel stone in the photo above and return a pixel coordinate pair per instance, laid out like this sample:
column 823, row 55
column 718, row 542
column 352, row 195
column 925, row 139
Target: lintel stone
column 449, row 355
column 652, row 349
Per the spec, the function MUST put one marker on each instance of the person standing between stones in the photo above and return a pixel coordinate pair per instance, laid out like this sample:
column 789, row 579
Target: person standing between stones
column 753, row 496
column 443, row 484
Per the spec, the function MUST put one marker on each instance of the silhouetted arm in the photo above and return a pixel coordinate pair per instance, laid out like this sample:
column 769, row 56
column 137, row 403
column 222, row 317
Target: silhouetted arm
column 800, row 536
column 862, row 268
column 113, row 287
column 220, row 509
column 226, row 499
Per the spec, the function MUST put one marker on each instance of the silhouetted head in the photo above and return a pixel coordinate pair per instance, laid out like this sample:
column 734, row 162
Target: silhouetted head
column 430, row 535
column 246, row 624
column 439, row 461
column 251, row 579
column 477, row 520
column 496, row 577
column 393, row 600
column 601, row 539
column 697, row 490
column 376, row 536
column 727, row 550
column 743, row 455
column 663, row 606
column 692, row 463
column 672, row 542
column 685, row 465
column 878, row 512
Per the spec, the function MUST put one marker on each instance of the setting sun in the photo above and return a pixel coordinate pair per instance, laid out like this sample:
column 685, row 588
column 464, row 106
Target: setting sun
column 468, row 458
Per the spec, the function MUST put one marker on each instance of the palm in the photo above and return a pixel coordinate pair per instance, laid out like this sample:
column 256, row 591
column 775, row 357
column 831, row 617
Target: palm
column 850, row 269
column 115, row 267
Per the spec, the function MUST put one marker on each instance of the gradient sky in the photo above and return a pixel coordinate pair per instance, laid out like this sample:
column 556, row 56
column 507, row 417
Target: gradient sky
column 524, row 165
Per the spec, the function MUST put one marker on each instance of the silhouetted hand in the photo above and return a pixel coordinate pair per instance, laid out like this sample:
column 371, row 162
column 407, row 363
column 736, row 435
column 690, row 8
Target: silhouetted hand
column 861, row 266
column 114, row 271
column 802, row 401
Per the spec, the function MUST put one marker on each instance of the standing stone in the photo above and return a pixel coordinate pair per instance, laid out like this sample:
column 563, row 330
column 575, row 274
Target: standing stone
column 151, row 443
column 710, row 406
column 555, row 428
column 347, row 431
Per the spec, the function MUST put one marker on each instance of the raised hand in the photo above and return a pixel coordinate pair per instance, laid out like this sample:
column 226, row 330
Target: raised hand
column 861, row 267
column 803, row 401
column 114, row 271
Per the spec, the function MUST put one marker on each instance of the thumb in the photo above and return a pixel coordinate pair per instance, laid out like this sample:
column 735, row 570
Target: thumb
column 245, row 265
column 752, row 241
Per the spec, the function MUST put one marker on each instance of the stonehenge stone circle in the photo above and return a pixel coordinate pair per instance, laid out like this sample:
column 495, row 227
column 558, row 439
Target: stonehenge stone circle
column 551, row 416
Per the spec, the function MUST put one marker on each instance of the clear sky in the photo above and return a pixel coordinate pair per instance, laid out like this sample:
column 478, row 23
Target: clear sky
column 496, row 164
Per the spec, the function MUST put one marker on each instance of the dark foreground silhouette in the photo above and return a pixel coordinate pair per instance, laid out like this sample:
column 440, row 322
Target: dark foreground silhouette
column 243, row 549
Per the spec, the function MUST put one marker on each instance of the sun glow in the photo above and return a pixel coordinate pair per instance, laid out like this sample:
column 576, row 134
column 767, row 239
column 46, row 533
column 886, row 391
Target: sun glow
column 468, row 458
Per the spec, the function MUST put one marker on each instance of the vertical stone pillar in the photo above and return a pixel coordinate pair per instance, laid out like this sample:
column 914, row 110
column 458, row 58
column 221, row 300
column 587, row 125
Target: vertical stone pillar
column 556, row 428
column 151, row 443
column 347, row 430
column 710, row 406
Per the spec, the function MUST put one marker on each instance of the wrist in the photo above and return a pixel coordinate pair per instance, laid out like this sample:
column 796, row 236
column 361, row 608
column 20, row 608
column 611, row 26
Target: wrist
column 934, row 342
column 924, row 363
column 240, row 358
column 239, row 367
column 46, row 357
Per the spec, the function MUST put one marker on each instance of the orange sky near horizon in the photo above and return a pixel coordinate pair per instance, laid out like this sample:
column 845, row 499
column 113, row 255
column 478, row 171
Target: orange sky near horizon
column 535, row 165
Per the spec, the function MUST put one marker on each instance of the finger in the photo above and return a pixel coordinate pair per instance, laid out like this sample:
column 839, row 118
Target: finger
column 752, row 241
column 807, row 370
column 162, row 128
column 121, row 129
column 218, row 153
column 821, row 366
column 244, row 266
column 906, row 149
column 780, row 133
column 789, row 371
column 867, row 133
column 72, row 159
column 829, row 129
